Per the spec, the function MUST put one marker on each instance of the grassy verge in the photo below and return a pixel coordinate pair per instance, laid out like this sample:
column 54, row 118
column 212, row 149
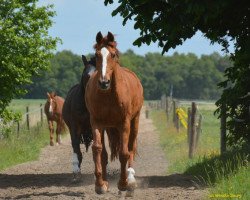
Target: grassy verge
column 225, row 175
column 25, row 147
column 175, row 144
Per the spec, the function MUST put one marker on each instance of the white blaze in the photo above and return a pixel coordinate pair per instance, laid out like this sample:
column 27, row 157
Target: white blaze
column 50, row 106
column 105, row 53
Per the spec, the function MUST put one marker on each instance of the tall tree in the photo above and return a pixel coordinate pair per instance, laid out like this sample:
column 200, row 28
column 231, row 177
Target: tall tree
column 171, row 22
column 25, row 46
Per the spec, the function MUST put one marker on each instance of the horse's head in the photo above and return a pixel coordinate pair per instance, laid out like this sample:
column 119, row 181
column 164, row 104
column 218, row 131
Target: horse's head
column 89, row 68
column 106, row 59
column 52, row 102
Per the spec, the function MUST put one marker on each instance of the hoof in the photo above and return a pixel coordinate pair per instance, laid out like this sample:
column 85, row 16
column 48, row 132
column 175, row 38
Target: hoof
column 51, row 143
column 131, row 186
column 76, row 177
column 102, row 189
column 129, row 194
column 122, row 186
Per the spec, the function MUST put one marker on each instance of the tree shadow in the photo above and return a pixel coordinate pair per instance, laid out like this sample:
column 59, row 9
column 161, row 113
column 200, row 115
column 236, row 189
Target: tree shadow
column 173, row 180
column 65, row 180
column 50, row 195
column 42, row 180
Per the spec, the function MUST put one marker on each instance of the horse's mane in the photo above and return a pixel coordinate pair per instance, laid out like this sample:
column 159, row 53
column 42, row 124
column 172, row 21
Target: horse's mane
column 92, row 61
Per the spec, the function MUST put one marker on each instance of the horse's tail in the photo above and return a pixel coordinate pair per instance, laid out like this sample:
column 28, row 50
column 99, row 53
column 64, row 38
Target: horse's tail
column 114, row 142
column 87, row 138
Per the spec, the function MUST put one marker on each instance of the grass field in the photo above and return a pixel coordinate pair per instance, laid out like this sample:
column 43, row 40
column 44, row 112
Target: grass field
column 26, row 145
column 19, row 105
column 224, row 175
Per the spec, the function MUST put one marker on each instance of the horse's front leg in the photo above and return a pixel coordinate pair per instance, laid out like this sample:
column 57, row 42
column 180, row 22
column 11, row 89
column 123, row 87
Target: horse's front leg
column 124, row 156
column 104, row 159
column 101, row 186
column 58, row 132
column 77, row 154
column 51, row 130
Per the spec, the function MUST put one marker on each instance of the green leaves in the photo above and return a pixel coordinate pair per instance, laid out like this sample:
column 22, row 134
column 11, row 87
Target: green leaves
column 171, row 22
column 25, row 47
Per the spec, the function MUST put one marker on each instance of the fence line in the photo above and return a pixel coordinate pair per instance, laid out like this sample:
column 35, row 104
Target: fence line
column 29, row 119
column 192, row 120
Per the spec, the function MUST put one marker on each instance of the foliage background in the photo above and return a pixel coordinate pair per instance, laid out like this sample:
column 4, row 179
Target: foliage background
column 190, row 76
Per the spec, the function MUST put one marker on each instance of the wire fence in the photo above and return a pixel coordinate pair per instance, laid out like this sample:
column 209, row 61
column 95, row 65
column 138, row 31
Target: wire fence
column 182, row 113
column 30, row 119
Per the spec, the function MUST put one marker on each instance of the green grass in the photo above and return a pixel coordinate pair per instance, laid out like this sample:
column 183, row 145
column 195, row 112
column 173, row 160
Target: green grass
column 224, row 175
column 175, row 144
column 25, row 147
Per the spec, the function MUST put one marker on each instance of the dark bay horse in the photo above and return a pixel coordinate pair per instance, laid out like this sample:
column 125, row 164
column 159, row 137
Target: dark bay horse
column 114, row 97
column 53, row 110
column 76, row 116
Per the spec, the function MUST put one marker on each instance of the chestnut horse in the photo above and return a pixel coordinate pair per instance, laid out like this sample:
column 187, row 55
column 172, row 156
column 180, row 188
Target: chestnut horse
column 53, row 111
column 114, row 97
column 76, row 116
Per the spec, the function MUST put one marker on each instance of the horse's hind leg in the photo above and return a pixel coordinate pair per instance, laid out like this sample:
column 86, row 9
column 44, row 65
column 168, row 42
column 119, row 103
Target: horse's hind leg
column 132, row 150
column 124, row 155
column 51, row 130
column 77, row 155
column 58, row 133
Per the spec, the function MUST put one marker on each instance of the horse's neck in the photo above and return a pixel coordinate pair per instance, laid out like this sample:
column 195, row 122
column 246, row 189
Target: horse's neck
column 82, row 85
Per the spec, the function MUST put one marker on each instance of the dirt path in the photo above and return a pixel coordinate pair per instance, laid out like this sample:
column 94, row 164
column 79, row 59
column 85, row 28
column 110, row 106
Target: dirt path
column 50, row 176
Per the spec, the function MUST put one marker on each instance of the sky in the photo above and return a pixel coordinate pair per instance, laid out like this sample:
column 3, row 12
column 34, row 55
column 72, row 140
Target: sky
column 78, row 21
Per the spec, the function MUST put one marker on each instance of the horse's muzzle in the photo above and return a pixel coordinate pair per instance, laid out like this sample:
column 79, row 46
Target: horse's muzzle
column 104, row 85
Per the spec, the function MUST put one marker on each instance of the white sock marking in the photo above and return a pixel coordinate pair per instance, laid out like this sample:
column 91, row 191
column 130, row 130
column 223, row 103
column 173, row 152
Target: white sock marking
column 105, row 53
column 75, row 163
column 131, row 173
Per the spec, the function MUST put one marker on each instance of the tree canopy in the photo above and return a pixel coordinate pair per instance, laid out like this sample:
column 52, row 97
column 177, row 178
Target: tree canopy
column 26, row 47
column 191, row 77
column 171, row 22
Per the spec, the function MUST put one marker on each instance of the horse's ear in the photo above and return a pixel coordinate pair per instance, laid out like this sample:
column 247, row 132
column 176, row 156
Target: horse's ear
column 48, row 95
column 99, row 37
column 110, row 37
column 84, row 60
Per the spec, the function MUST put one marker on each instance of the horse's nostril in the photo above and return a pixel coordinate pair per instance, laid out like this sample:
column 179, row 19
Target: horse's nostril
column 104, row 84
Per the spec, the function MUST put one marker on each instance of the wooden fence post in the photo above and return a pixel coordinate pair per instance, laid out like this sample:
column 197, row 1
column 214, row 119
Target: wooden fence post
column 193, row 131
column 27, row 118
column 174, row 111
column 168, row 108
column 189, row 125
column 41, row 111
column 147, row 113
column 223, row 121
column 18, row 128
column 199, row 130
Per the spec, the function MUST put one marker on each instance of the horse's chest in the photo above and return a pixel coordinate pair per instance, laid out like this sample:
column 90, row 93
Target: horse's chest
column 108, row 110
